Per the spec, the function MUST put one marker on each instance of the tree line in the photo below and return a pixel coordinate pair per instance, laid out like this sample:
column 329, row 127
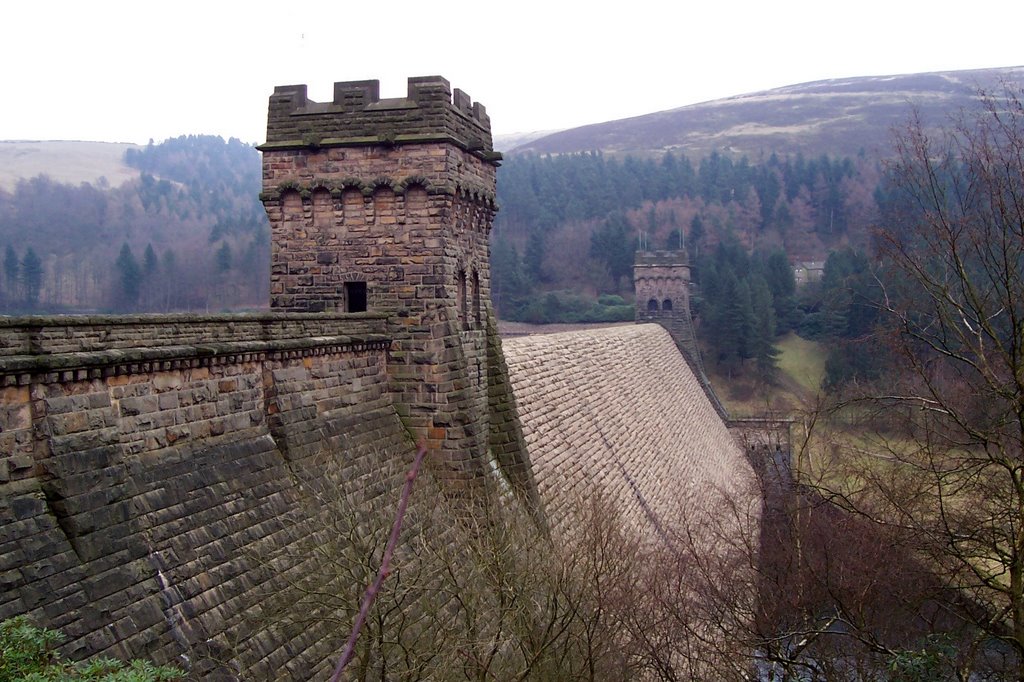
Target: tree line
column 743, row 225
column 188, row 233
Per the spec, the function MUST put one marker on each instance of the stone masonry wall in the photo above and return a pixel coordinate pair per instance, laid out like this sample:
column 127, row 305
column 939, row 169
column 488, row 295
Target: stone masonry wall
column 163, row 478
column 620, row 412
column 68, row 334
column 394, row 198
column 661, row 280
column 357, row 114
column 154, row 507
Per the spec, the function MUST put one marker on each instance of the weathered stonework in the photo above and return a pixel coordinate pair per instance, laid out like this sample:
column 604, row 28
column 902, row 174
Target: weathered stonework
column 148, row 482
column 661, row 280
column 619, row 411
column 163, row 477
column 386, row 205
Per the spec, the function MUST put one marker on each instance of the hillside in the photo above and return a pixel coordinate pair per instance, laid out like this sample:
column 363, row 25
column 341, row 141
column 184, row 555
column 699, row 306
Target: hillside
column 508, row 141
column 732, row 176
column 838, row 117
column 70, row 162
column 114, row 227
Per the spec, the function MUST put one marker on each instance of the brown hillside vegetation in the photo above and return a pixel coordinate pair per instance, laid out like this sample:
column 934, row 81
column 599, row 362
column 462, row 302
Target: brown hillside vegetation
column 838, row 117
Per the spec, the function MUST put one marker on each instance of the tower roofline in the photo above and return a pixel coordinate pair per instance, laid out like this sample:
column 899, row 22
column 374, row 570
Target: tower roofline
column 661, row 258
column 431, row 112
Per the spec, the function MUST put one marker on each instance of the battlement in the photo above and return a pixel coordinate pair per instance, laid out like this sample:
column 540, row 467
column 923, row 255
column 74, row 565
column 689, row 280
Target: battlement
column 662, row 258
column 430, row 112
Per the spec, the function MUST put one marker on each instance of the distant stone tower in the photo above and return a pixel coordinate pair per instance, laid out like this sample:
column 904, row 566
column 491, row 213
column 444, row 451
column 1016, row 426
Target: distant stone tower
column 385, row 206
column 662, row 283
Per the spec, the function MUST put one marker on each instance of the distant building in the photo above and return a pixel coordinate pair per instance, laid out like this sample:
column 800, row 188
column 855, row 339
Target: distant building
column 805, row 272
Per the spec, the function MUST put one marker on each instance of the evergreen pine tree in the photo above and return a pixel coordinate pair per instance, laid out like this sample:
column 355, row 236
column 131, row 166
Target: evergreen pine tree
column 610, row 244
column 763, row 337
column 693, row 239
column 510, row 288
column 742, row 322
column 533, row 259
column 129, row 276
column 31, row 276
column 223, row 258
column 150, row 264
column 779, row 276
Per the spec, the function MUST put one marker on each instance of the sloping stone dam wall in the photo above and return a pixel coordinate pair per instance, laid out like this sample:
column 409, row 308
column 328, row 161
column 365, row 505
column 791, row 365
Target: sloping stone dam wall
column 152, row 466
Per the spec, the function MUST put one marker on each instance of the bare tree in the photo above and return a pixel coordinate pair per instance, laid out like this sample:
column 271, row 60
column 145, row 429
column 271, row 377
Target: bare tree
column 948, row 470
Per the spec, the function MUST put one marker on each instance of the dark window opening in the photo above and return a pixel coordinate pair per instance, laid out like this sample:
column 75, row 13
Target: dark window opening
column 476, row 298
column 667, row 305
column 652, row 305
column 460, row 299
column 355, row 297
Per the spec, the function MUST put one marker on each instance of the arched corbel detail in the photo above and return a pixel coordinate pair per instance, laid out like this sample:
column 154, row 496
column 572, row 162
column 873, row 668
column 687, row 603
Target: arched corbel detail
column 350, row 182
column 377, row 183
column 414, row 181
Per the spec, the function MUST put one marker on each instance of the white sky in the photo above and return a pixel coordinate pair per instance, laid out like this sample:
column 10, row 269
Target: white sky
column 130, row 71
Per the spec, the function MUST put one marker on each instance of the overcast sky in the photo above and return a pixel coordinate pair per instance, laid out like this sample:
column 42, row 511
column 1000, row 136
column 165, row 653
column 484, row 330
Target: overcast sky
column 131, row 71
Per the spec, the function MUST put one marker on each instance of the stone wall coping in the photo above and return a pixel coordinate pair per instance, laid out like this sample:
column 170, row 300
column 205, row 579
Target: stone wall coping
column 665, row 257
column 23, row 366
column 488, row 155
column 36, row 321
column 759, row 421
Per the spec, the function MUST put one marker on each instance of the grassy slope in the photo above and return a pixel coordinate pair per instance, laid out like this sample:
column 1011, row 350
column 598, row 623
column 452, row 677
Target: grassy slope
column 65, row 161
column 801, row 369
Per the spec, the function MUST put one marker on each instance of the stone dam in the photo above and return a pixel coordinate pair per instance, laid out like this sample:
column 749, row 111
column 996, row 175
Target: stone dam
column 153, row 466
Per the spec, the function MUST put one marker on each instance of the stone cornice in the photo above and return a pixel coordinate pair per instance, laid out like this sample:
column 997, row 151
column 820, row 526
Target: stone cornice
column 79, row 366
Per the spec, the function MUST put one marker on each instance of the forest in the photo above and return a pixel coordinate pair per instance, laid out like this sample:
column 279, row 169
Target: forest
column 188, row 234
column 191, row 234
column 744, row 225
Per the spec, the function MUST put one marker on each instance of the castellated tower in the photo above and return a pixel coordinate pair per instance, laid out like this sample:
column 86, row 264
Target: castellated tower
column 661, row 280
column 384, row 206
column 662, row 283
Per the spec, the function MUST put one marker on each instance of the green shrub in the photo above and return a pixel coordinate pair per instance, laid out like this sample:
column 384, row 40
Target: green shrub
column 570, row 307
column 611, row 300
column 28, row 654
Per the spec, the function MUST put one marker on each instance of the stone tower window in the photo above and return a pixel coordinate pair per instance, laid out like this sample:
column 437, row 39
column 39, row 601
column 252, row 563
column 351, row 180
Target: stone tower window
column 667, row 305
column 384, row 206
column 460, row 299
column 652, row 305
column 291, row 206
column 476, row 298
column 355, row 297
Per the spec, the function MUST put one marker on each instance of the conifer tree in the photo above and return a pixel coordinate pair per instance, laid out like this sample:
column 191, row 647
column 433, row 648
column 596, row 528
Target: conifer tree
column 533, row 259
column 223, row 258
column 31, row 276
column 129, row 276
column 150, row 264
column 763, row 338
column 610, row 244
